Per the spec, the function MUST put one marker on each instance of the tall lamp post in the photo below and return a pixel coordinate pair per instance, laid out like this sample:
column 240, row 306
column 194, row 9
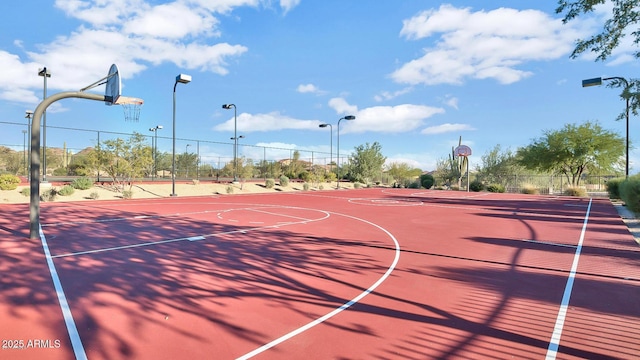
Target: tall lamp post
column 597, row 82
column 45, row 73
column 235, row 138
column 182, row 79
column 348, row 117
column 28, row 115
column 331, row 142
column 24, row 149
column 154, row 147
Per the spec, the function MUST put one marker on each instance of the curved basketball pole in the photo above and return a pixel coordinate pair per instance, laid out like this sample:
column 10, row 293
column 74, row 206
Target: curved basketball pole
column 34, row 203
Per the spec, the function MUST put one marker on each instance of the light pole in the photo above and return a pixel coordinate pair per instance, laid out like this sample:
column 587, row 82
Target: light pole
column 597, row 82
column 186, row 162
column 154, row 146
column 45, row 73
column 235, row 138
column 28, row 115
column 24, row 149
column 331, row 143
column 235, row 156
column 183, row 79
column 348, row 117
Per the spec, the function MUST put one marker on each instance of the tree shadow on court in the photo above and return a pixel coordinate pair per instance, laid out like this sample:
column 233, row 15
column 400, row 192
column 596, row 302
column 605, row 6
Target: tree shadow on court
column 202, row 285
column 188, row 277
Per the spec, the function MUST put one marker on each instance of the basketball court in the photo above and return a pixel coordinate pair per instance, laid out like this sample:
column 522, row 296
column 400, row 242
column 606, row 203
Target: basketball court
column 351, row 274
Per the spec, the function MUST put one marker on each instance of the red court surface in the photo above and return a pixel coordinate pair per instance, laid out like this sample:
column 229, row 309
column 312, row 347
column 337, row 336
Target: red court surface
column 351, row 274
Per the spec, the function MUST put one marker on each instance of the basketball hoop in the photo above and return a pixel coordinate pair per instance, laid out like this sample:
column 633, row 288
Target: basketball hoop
column 131, row 107
column 462, row 150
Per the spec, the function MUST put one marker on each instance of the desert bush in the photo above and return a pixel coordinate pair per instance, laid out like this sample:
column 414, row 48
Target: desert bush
column 83, row 183
column 414, row 185
column 476, row 186
column 26, row 191
column 613, row 188
column 66, row 190
column 9, row 182
column 305, row 186
column 127, row 194
column 49, row 194
column 196, row 182
column 575, row 191
column 530, row 189
column 230, row 189
column 630, row 193
column 321, row 187
column 357, row 185
column 495, row 188
column 94, row 195
column 427, row 181
column 269, row 183
column 284, row 181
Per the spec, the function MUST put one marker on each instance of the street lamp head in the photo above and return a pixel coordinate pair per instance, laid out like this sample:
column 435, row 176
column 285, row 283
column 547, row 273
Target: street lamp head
column 159, row 127
column 228, row 106
column 592, row 82
column 349, row 117
column 152, row 129
column 28, row 114
column 183, row 79
column 323, row 125
column 241, row 137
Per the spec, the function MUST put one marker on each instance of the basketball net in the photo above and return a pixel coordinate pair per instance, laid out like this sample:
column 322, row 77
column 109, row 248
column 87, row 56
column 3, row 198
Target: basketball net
column 131, row 107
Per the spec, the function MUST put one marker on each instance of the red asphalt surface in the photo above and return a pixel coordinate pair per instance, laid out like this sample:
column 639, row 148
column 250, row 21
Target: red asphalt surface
column 352, row 274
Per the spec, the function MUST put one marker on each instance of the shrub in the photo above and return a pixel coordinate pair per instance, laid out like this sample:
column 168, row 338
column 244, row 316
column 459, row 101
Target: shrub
column 66, row 190
column 26, row 191
column 94, row 195
column 357, row 185
column 127, row 194
column 630, row 193
column 270, row 183
column 305, row 186
column 196, row 182
column 321, row 187
column 9, row 182
column 230, row 189
column 613, row 188
column 454, row 187
column 476, row 186
column 530, row 189
column 414, row 185
column 83, row 183
column 427, row 181
column 575, row 191
column 49, row 194
column 60, row 171
column 495, row 188
column 284, row 181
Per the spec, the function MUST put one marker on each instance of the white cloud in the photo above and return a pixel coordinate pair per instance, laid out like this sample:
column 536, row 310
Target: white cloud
column 272, row 121
column 452, row 102
column 341, row 106
column 386, row 119
column 287, row 5
column 386, row 95
column 309, row 88
column 173, row 21
column 445, row 128
column 483, row 44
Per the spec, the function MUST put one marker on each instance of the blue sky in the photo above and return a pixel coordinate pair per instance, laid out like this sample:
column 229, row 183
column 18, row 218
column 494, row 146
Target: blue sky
column 417, row 75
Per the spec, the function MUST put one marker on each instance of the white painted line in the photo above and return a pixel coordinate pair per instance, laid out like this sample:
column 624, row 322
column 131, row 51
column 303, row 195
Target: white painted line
column 196, row 238
column 554, row 344
column 344, row 306
column 118, row 248
column 72, row 330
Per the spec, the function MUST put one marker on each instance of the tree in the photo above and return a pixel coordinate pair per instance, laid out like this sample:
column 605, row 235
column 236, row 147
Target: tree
column 124, row 160
column 625, row 17
column 401, row 172
column 574, row 150
column 366, row 162
column 497, row 166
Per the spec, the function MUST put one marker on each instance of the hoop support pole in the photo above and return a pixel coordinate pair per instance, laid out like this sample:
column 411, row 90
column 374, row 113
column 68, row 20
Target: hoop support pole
column 34, row 185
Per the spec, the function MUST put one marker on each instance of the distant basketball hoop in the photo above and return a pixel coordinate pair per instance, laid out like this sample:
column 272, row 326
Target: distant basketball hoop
column 462, row 150
column 131, row 107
